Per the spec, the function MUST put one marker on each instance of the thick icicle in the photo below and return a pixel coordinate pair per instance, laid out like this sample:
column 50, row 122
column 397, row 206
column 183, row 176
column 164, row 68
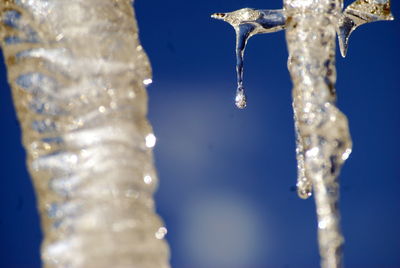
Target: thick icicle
column 77, row 73
column 323, row 136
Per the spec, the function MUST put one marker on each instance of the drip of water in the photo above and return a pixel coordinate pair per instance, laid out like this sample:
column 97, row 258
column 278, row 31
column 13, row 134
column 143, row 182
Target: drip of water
column 248, row 22
column 242, row 35
column 240, row 99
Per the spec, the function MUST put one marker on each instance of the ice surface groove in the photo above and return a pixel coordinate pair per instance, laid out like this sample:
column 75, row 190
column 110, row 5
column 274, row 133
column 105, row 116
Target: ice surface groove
column 76, row 69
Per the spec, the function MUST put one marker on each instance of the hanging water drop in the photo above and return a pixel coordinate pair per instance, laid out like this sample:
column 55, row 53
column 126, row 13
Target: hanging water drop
column 248, row 22
column 240, row 99
column 242, row 35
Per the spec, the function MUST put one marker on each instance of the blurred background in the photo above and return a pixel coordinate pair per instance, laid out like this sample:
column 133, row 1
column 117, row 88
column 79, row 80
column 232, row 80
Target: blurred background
column 227, row 176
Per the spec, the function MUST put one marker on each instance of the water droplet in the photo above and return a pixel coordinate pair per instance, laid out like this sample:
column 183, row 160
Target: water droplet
column 242, row 35
column 147, row 82
column 248, row 22
column 304, row 193
column 150, row 140
column 147, row 179
column 322, row 224
column 162, row 231
column 240, row 99
column 346, row 154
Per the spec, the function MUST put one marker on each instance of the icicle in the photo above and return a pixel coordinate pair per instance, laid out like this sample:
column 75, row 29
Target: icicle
column 304, row 184
column 77, row 72
column 359, row 13
column 248, row 22
column 322, row 136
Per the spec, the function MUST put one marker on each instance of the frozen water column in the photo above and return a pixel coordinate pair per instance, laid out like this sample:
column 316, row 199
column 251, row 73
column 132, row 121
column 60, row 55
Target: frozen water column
column 323, row 137
column 78, row 76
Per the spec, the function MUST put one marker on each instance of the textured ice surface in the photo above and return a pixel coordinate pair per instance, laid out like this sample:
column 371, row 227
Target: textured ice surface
column 78, row 73
column 322, row 130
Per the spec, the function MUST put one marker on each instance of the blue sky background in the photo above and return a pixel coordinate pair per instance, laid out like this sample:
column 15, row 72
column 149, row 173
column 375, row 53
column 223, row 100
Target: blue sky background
column 226, row 175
